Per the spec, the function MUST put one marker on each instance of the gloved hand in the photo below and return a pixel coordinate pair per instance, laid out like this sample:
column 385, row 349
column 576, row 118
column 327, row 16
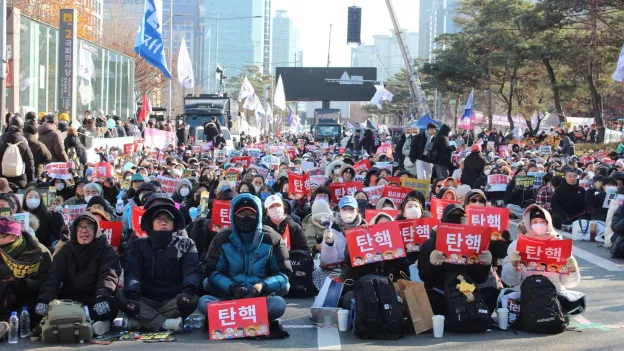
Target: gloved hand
column 41, row 309
column 436, row 258
column 485, row 257
column 102, row 308
column 238, row 291
column 133, row 308
column 253, row 292
column 571, row 264
column 515, row 257
column 328, row 237
column 184, row 300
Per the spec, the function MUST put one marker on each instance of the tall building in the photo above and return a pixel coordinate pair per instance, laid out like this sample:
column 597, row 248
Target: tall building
column 436, row 18
column 384, row 54
column 244, row 35
column 285, row 42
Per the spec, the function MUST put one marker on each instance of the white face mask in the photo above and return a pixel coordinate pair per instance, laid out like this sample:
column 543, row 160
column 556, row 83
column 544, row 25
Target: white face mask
column 539, row 228
column 387, row 208
column 60, row 186
column 486, row 172
column 33, row 203
column 257, row 188
column 413, row 212
column 88, row 198
column 276, row 214
column 184, row 191
column 347, row 217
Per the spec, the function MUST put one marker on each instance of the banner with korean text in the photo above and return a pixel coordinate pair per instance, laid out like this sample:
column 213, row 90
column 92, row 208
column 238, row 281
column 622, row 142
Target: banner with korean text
column 494, row 217
column 415, row 232
column 380, row 242
column 220, row 218
column 298, row 185
column 235, row 319
column 340, row 190
column 543, row 255
column 462, row 244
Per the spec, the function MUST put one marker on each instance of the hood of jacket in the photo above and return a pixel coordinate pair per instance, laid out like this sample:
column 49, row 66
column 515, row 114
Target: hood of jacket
column 178, row 218
column 47, row 128
column 33, row 221
column 74, row 227
column 380, row 203
column 345, row 167
column 472, row 193
column 379, row 216
column 445, row 130
column 256, row 202
column 526, row 220
column 182, row 182
column 445, row 190
column 329, row 171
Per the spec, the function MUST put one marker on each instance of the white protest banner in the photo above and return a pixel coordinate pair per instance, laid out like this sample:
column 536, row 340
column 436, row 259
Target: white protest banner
column 374, row 193
column 611, row 195
column 59, row 170
column 307, row 166
column 317, row 180
column 384, row 165
column 545, row 149
column 24, row 219
column 168, row 184
column 220, row 156
column 159, row 138
column 497, row 182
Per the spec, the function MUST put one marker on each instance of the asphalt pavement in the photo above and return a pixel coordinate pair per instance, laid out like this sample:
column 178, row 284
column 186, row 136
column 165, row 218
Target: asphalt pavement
column 601, row 327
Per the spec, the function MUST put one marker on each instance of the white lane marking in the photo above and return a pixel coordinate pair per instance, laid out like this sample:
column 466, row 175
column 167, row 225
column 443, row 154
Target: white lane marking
column 593, row 259
column 328, row 339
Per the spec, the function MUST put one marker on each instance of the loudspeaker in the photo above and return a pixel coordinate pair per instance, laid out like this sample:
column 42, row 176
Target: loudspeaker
column 354, row 25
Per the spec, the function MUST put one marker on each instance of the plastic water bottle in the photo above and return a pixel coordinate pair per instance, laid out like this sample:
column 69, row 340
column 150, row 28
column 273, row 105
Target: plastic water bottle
column 198, row 321
column 24, row 323
column 188, row 324
column 119, row 207
column 13, row 328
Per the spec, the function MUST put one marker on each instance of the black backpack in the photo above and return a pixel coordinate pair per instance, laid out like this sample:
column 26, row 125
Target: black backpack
column 461, row 315
column 378, row 308
column 301, row 284
column 540, row 309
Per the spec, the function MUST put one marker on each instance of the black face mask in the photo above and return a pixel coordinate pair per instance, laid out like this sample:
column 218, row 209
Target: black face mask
column 456, row 219
column 245, row 225
column 160, row 238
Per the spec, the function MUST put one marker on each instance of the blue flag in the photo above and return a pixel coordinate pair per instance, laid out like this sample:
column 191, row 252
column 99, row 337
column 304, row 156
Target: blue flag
column 290, row 117
column 468, row 108
column 149, row 41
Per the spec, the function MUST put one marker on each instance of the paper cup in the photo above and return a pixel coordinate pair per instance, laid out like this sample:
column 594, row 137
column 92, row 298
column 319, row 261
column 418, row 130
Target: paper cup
column 343, row 320
column 438, row 325
column 503, row 318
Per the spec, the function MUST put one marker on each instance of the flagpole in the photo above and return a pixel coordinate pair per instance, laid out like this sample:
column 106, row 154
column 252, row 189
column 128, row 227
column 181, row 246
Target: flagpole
column 169, row 110
column 209, row 61
column 216, row 55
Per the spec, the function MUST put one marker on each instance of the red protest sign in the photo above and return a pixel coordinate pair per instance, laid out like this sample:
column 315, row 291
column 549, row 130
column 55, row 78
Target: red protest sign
column 59, row 170
column 340, row 190
column 396, row 193
column 220, row 218
column 245, row 160
column 503, row 151
column 292, row 153
column 235, row 319
column 497, row 182
column 437, row 207
column 396, row 180
column 168, row 185
column 380, row 242
column 137, row 214
column 232, row 175
column 462, row 244
column 298, row 185
column 543, row 255
column 102, row 170
column 374, row 193
column 494, row 217
column 385, row 149
column 415, row 232
column 129, row 149
column 363, row 165
column 370, row 214
column 112, row 230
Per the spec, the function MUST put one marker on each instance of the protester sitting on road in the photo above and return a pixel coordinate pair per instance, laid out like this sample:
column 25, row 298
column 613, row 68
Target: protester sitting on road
column 78, row 199
column 313, row 224
column 283, row 224
column 50, row 219
column 162, row 273
column 86, row 269
column 539, row 226
column 568, row 202
column 248, row 260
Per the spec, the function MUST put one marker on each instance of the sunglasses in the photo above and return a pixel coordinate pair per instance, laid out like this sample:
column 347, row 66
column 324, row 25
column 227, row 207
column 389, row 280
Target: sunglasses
column 475, row 200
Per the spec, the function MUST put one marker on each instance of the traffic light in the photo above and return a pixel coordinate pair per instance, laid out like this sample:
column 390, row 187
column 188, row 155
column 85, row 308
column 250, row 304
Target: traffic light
column 354, row 25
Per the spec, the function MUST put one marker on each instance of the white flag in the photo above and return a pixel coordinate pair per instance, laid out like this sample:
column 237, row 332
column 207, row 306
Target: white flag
column 269, row 113
column 618, row 75
column 250, row 103
column 246, row 90
column 279, row 99
column 259, row 108
column 209, row 34
column 381, row 95
column 185, row 67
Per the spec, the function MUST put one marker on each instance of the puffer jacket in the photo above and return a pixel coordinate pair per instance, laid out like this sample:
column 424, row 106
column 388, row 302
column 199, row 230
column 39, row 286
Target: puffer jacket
column 160, row 275
column 442, row 144
column 248, row 259
column 41, row 154
column 14, row 136
column 313, row 232
column 52, row 139
column 83, row 272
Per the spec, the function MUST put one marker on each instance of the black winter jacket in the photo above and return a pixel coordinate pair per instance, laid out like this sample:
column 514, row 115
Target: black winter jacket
column 14, row 136
column 83, row 272
column 297, row 236
column 41, row 154
column 417, row 147
column 568, row 201
column 473, row 168
column 594, row 200
column 442, row 144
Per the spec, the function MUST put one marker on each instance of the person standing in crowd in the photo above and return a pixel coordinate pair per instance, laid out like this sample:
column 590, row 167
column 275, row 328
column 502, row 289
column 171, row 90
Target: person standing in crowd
column 86, row 269
column 41, row 154
column 259, row 248
column 418, row 154
column 162, row 275
column 444, row 147
column 474, row 164
column 50, row 136
column 14, row 136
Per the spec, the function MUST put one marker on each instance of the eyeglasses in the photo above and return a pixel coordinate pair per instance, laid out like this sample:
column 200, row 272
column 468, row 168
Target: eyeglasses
column 88, row 227
column 163, row 219
column 475, row 200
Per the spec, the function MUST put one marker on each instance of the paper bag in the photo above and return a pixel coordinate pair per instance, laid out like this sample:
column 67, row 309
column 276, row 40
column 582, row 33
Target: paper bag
column 416, row 304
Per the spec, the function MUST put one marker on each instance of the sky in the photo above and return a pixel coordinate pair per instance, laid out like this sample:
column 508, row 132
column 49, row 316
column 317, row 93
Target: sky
column 313, row 17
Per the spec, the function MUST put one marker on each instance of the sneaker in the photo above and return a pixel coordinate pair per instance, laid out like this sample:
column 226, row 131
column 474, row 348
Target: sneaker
column 276, row 331
column 129, row 324
column 101, row 327
column 4, row 330
column 174, row 325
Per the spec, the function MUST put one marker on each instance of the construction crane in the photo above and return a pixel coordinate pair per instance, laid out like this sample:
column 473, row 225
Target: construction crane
column 419, row 103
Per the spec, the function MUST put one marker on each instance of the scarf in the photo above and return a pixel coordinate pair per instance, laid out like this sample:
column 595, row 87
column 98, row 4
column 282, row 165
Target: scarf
column 19, row 269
